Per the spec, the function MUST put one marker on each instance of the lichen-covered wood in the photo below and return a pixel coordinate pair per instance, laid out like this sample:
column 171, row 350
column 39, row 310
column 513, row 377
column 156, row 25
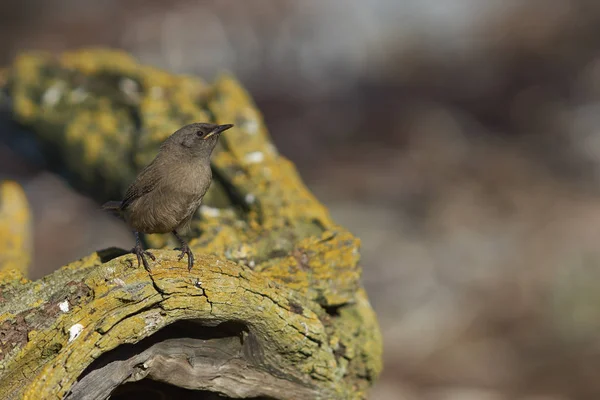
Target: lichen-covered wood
column 15, row 228
column 273, row 306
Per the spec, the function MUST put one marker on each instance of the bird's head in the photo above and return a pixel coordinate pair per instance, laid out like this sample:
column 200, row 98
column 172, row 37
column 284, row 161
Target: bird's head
column 197, row 139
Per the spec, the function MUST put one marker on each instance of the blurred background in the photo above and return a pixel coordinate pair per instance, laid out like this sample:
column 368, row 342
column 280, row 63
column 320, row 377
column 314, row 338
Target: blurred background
column 459, row 139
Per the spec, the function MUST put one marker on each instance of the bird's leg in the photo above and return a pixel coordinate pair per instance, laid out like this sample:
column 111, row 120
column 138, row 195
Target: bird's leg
column 185, row 249
column 139, row 251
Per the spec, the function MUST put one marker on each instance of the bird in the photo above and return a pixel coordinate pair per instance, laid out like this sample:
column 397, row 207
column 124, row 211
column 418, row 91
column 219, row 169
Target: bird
column 166, row 194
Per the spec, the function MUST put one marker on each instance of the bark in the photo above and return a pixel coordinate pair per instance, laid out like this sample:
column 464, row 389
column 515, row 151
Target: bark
column 273, row 307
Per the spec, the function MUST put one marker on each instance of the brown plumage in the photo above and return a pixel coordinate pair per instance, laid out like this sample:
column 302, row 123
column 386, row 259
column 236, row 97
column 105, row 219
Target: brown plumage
column 166, row 194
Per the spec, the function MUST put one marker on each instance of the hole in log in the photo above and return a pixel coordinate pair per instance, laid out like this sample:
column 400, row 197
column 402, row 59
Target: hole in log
column 333, row 311
column 190, row 360
column 181, row 329
column 111, row 253
column 151, row 390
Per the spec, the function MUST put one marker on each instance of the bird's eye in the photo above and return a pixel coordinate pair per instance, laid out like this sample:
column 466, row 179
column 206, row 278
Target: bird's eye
column 200, row 133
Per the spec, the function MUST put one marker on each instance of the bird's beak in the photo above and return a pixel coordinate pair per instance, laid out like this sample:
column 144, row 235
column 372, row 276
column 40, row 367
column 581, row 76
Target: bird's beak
column 218, row 130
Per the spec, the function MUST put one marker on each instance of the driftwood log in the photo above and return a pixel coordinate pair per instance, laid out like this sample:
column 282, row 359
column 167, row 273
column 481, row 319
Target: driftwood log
column 273, row 307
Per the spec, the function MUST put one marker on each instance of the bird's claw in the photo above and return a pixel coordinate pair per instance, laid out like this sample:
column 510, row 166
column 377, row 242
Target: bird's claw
column 186, row 250
column 141, row 254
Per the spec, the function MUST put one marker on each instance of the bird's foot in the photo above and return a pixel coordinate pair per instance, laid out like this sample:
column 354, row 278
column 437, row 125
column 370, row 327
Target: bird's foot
column 185, row 249
column 140, row 253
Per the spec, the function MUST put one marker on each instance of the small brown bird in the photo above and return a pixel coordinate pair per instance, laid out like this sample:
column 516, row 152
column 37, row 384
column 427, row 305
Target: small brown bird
column 166, row 194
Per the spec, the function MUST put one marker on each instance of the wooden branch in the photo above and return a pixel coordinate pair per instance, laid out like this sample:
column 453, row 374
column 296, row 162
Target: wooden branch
column 273, row 307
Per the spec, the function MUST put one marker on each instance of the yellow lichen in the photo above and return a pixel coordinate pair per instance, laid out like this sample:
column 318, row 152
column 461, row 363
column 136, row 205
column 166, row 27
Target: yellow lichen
column 15, row 228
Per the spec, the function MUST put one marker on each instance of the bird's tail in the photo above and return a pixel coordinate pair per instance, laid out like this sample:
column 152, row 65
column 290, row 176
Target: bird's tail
column 112, row 206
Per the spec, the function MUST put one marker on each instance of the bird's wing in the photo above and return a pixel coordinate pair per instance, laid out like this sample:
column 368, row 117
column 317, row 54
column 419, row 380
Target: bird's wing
column 144, row 184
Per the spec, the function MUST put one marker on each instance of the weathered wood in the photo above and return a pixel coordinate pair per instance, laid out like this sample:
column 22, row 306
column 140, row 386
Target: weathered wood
column 273, row 307
column 222, row 365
